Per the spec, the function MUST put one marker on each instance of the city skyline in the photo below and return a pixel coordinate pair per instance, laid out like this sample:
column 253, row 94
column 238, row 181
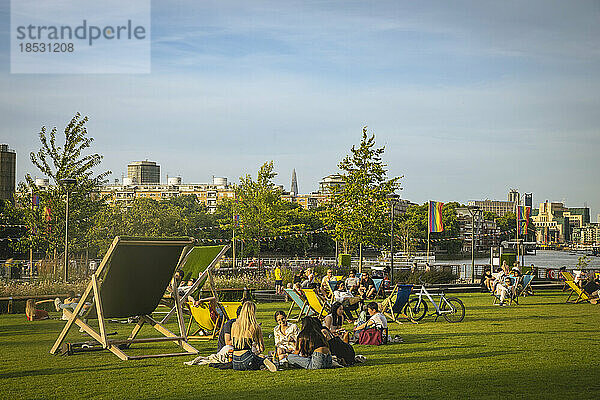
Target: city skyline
column 470, row 99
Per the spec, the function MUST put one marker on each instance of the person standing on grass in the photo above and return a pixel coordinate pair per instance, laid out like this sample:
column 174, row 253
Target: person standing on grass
column 278, row 278
column 248, row 343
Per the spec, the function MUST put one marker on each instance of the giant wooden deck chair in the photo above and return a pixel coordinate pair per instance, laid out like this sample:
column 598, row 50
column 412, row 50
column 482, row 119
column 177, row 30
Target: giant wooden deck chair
column 198, row 265
column 302, row 305
column 319, row 306
column 130, row 282
column 395, row 304
column 582, row 295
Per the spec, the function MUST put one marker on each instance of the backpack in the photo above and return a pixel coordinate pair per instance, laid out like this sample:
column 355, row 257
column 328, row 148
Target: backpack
column 370, row 336
column 341, row 350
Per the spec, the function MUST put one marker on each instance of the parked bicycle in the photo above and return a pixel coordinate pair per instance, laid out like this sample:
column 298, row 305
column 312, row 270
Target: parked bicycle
column 451, row 308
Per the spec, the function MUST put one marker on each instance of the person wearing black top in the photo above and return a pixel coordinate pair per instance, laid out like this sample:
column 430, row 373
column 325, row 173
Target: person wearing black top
column 312, row 349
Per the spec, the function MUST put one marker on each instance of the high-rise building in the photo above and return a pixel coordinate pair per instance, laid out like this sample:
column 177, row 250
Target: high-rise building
column 8, row 170
column 513, row 196
column 294, row 186
column 142, row 172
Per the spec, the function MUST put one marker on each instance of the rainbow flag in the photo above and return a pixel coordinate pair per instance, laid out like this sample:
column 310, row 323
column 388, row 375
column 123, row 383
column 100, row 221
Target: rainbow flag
column 435, row 216
column 523, row 214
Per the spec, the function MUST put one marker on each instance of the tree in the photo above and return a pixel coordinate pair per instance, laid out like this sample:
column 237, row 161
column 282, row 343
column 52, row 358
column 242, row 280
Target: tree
column 359, row 210
column 257, row 211
column 415, row 220
column 46, row 217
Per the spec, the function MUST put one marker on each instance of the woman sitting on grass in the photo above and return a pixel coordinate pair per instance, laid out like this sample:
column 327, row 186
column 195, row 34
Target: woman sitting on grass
column 247, row 338
column 312, row 351
column 32, row 313
column 286, row 336
column 333, row 321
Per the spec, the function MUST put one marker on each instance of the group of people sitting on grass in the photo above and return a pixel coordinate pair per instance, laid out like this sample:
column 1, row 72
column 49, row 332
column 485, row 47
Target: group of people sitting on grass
column 315, row 345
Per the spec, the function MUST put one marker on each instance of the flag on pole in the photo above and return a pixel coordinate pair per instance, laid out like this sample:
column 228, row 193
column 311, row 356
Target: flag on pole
column 435, row 216
column 523, row 213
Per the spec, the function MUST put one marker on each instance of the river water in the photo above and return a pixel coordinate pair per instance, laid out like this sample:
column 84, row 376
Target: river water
column 549, row 259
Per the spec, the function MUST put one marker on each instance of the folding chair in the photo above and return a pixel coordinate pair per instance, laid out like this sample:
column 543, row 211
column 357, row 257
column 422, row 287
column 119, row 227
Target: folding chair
column 316, row 304
column 582, row 295
column 199, row 263
column 525, row 287
column 393, row 306
column 378, row 285
column 300, row 303
column 201, row 315
column 511, row 296
column 130, row 282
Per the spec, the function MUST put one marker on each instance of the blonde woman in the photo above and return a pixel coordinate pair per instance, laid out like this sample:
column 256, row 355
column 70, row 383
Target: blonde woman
column 248, row 343
column 32, row 313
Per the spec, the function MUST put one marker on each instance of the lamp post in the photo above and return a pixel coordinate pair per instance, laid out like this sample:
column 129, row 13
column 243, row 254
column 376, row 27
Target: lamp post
column 473, row 210
column 67, row 183
column 392, row 197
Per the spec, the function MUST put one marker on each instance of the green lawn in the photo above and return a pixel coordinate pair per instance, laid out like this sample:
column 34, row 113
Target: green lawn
column 542, row 348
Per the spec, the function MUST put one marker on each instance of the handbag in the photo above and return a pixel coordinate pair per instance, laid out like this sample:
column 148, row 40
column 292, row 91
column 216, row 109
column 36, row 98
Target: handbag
column 370, row 336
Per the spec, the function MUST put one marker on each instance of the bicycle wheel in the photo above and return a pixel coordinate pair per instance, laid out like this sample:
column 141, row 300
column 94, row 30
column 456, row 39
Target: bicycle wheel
column 415, row 309
column 457, row 307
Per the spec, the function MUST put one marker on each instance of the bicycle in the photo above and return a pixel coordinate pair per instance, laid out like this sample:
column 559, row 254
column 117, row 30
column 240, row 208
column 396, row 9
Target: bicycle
column 451, row 308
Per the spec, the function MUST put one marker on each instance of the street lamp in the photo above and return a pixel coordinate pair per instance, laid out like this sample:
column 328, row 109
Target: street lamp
column 473, row 210
column 67, row 183
column 392, row 197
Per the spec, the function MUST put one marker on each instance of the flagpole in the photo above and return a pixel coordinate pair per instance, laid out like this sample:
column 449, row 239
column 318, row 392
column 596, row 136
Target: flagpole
column 428, row 228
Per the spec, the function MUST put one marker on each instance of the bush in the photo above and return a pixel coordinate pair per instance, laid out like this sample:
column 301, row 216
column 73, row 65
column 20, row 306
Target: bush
column 442, row 276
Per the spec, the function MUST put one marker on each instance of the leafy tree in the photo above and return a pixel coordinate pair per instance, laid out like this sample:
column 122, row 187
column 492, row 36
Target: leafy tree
column 178, row 216
column 259, row 209
column 416, row 222
column 57, row 162
column 359, row 210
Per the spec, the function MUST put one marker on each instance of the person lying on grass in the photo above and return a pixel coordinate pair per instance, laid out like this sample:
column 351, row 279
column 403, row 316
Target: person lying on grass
column 312, row 350
column 248, row 343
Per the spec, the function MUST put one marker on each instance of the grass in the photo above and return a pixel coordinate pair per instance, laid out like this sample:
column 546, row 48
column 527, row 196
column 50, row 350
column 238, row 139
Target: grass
column 542, row 348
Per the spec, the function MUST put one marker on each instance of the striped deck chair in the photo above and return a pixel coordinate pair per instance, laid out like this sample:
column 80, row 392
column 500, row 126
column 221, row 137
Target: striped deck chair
column 130, row 282
column 394, row 306
column 319, row 306
column 302, row 305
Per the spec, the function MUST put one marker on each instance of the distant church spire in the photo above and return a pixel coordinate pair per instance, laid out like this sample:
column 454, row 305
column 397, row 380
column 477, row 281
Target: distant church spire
column 294, row 188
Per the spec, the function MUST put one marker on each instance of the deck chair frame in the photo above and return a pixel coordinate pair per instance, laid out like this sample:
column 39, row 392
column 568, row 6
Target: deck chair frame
column 582, row 295
column 304, row 307
column 204, row 276
column 392, row 304
column 113, row 345
column 318, row 306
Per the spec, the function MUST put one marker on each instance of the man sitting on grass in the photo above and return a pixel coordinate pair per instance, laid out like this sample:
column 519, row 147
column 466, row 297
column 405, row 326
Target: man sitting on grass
column 376, row 319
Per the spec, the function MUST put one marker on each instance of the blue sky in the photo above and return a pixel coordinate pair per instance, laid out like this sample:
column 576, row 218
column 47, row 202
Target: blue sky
column 469, row 98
